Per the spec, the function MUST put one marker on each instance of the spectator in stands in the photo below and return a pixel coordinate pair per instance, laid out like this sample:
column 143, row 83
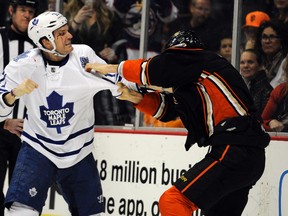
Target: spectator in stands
column 281, row 74
column 225, row 48
column 94, row 24
column 202, row 22
column 272, row 44
column 130, row 11
column 255, row 78
column 13, row 41
column 253, row 22
column 275, row 114
column 281, row 15
column 223, row 10
column 282, row 10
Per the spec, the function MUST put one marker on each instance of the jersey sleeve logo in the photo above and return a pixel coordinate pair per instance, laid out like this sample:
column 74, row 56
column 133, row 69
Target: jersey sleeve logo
column 56, row 115
column 21, row 56
column 84, row 61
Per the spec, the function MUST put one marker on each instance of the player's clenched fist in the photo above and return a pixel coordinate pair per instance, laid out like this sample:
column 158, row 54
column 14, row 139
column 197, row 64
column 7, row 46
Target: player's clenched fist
column 26, row 87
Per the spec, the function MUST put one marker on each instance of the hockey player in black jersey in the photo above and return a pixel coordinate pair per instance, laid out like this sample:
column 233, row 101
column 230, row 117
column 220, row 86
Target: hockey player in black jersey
column 216, row 108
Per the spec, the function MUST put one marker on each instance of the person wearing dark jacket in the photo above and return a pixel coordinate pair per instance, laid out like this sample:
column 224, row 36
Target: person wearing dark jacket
column 216, row 108
column 202, row 21
column 14, row 40
column 251, row 69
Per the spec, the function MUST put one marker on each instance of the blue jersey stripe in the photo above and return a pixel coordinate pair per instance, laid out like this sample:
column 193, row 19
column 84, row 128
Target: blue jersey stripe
column 75, row 152
column 61, row 142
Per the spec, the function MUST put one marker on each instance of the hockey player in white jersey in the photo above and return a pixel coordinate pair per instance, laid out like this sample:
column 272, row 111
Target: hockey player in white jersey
column 57, row 138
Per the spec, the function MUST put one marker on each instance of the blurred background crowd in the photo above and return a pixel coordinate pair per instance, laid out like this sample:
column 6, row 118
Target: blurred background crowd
column 113, row 29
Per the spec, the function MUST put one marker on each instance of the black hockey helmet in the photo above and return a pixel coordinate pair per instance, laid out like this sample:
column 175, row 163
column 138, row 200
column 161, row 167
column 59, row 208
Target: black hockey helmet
column 185, row 38
column 28, row 3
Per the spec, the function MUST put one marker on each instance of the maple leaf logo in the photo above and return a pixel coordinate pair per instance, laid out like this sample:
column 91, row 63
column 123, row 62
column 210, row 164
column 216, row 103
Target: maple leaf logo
column 56, row 115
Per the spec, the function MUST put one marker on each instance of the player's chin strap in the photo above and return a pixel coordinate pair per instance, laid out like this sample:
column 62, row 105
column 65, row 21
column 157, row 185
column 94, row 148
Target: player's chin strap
column 54, row 52
column 59, row 54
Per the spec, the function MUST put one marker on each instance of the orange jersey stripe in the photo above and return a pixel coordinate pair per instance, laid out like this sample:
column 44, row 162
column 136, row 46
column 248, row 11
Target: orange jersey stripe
column 234, row 94
column 207, row 169
column 219, row 100
column 154, row 102
column 132, row 70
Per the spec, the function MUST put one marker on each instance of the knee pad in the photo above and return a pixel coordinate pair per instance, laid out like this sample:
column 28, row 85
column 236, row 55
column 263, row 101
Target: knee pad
column 168, row 196
column 17, row 209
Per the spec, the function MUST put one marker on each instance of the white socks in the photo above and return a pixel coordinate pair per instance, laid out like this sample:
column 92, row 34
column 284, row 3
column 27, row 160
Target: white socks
column 20, row 209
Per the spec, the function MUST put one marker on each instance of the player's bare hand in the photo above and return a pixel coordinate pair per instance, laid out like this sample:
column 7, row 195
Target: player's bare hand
column 128, row 94
column 101, row 68
column 14, row 126
column 26, row 87
column 125, row 92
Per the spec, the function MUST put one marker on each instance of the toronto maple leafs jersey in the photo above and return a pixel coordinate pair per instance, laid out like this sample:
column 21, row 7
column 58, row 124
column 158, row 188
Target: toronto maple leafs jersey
column 60, row 117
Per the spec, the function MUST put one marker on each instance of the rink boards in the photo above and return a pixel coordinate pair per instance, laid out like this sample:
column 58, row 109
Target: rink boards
column 135, row 169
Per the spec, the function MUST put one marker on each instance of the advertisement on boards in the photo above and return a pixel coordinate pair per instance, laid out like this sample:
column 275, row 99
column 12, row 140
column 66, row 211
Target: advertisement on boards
column 135, row 169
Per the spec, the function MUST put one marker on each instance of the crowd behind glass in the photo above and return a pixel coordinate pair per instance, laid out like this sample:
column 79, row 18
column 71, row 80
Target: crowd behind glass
column 113, row 30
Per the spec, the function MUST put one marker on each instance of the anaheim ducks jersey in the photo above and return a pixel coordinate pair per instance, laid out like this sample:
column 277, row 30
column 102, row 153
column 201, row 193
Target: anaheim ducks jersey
column 206, row 89
column 60, row 117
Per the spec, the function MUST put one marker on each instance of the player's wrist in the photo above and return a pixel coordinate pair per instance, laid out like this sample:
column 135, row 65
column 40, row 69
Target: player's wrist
column 12, row 92
column 8, row 99
column 15, row 93
column 6, row 124
column 135, row 97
